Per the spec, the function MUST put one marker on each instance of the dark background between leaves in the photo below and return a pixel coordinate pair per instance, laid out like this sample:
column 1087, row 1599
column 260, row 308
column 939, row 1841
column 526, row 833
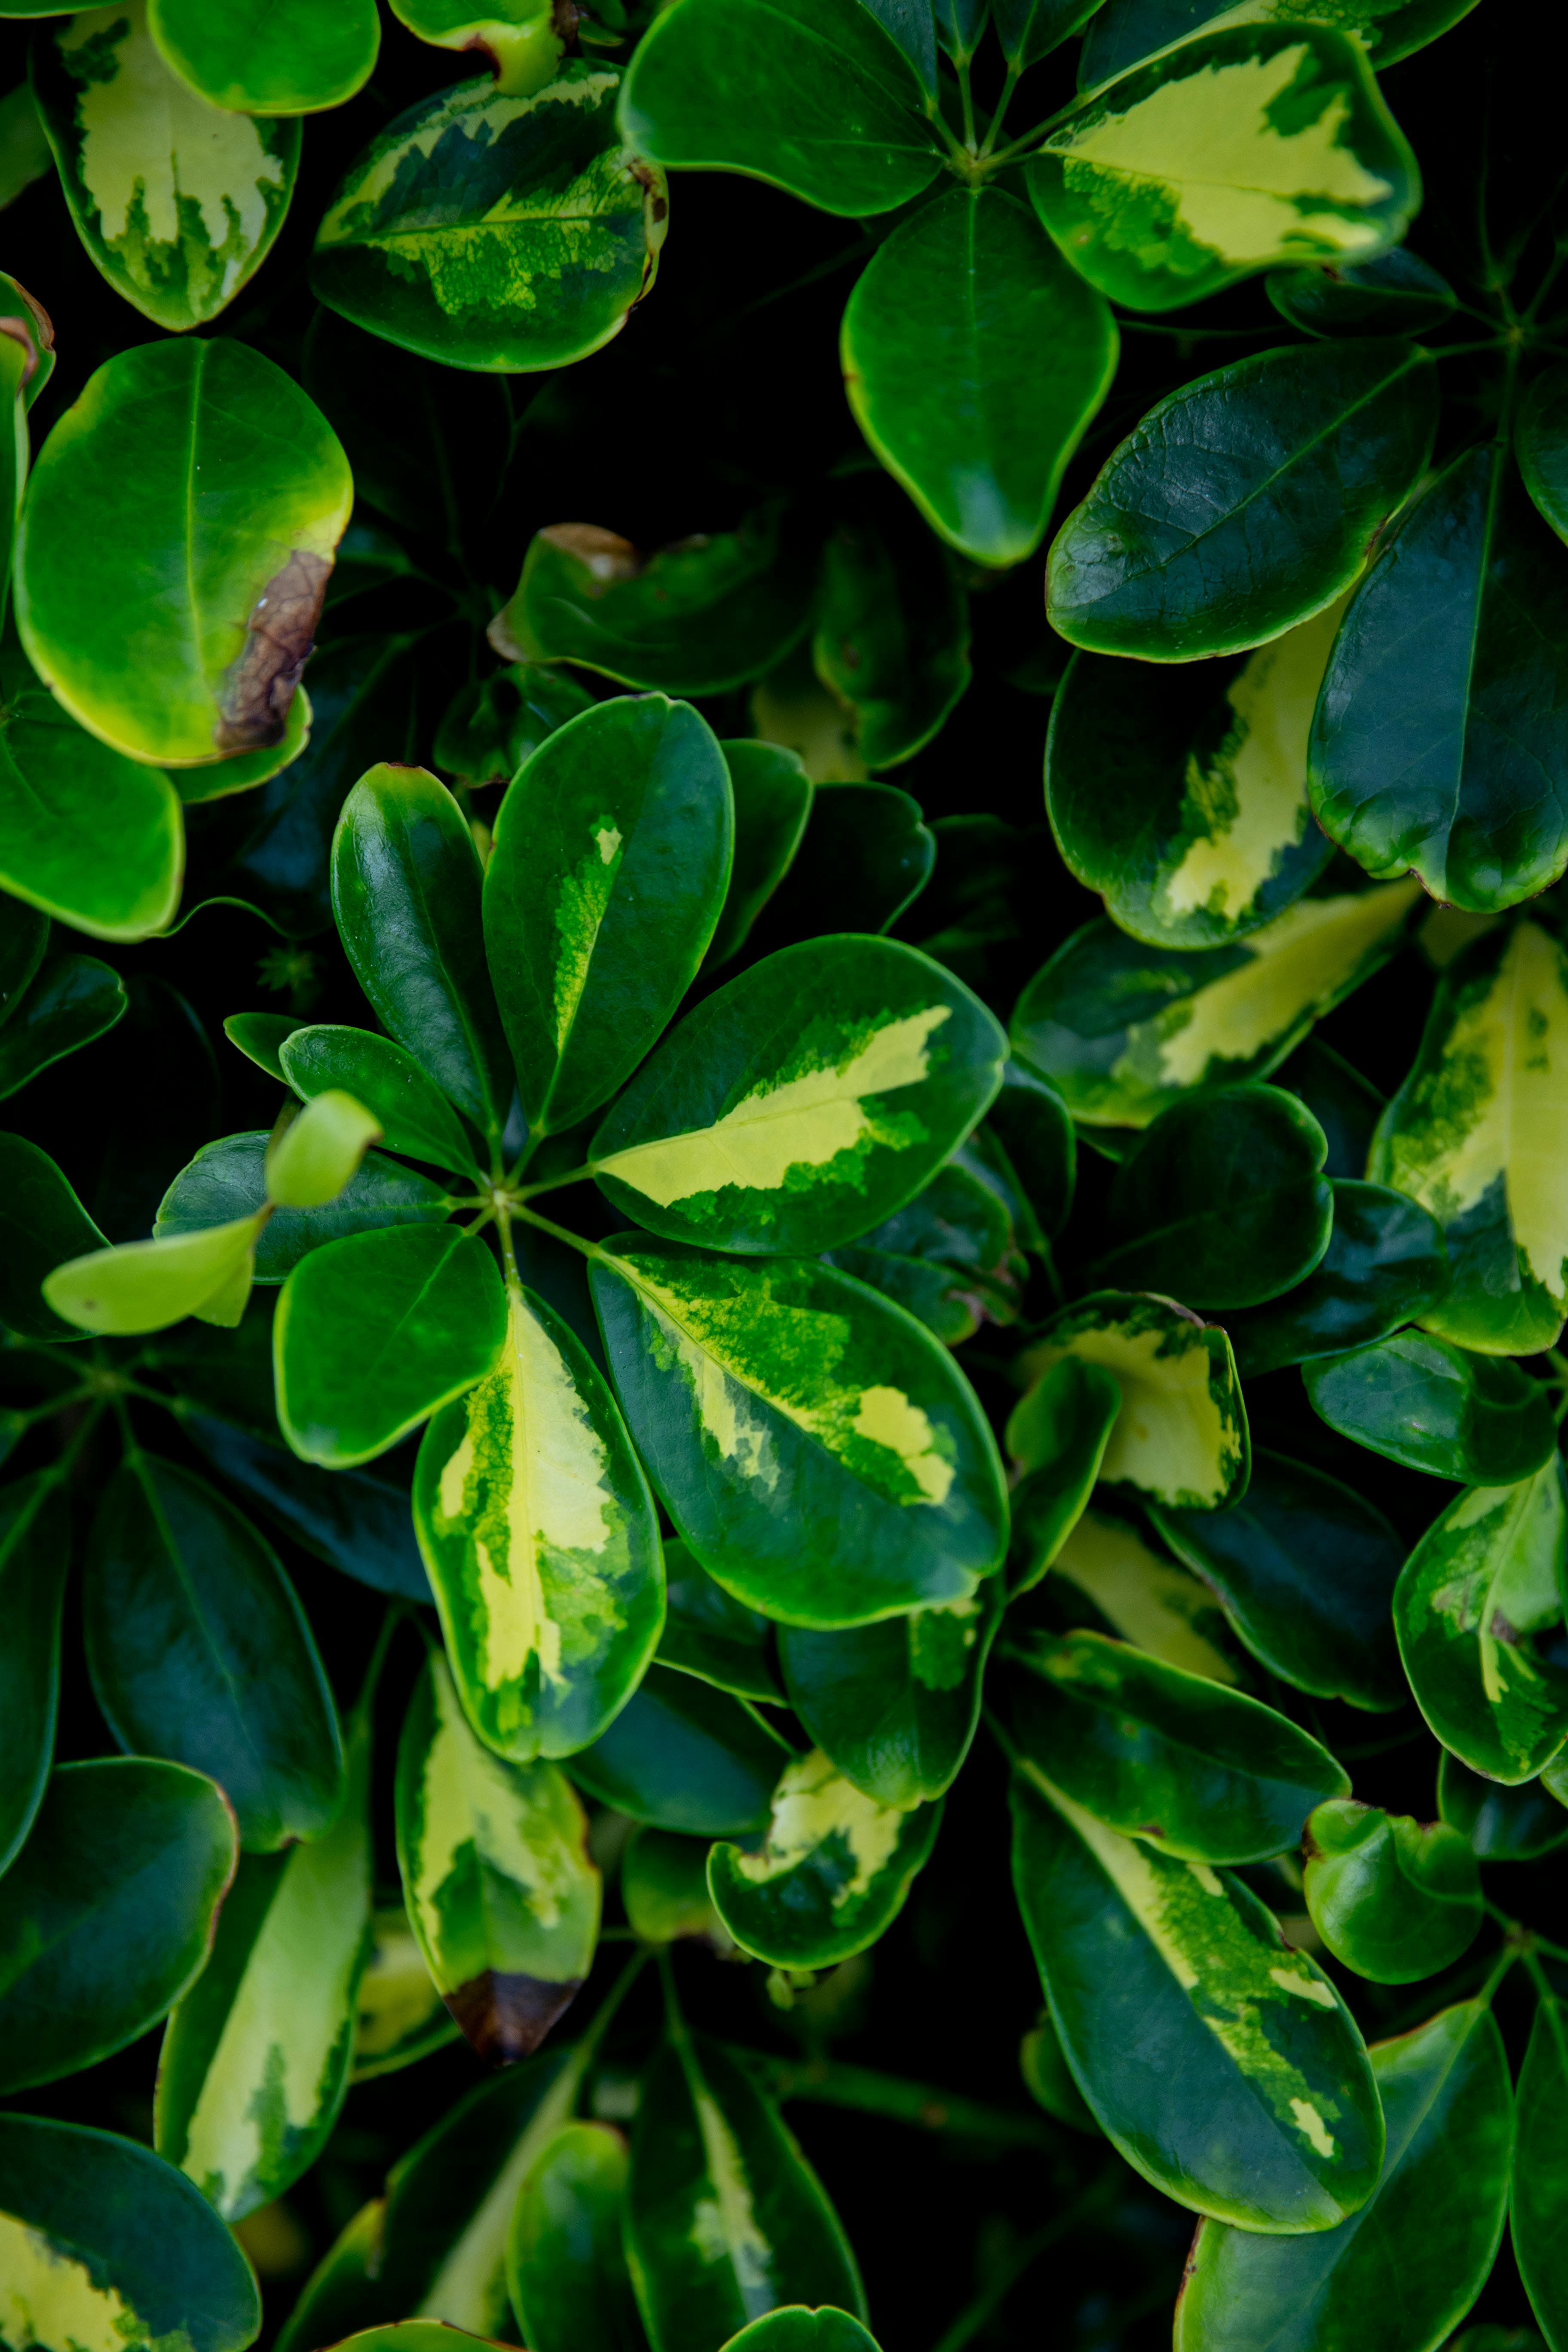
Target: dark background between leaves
column 724, row 388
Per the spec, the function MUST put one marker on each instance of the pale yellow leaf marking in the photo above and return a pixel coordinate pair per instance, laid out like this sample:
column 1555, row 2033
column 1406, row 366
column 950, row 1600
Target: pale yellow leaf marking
column 1169, row 1437
column 1149, row 1600
column 811, row 1802
column 580, row 911
column 470, row 2289
column 396, row 1993
column 47, row 2297
column 1310, row 1989
column 801, row 1122
column 1522, row 1588
column 724, row 2227
column 482, row 124
column 1311, row 2123
column 888, row 1418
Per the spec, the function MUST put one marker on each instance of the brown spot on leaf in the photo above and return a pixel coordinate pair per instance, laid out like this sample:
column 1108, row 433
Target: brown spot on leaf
column 507, row 2016
column 279, row 635
column 609, row 558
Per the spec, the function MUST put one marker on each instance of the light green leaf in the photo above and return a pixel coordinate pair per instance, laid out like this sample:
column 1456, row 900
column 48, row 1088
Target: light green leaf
column 519, row 38
column 401, row 2017
column 664, row 1886
column 269, row 59
column 832, row 1874
column 146, row 1286
column 1181, row 1436
column 1145, row 1597
column 228, row 1179
column 87, row 834
column 311, row 1160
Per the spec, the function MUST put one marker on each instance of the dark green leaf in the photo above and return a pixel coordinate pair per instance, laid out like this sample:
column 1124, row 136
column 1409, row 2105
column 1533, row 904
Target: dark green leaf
column 294, row 60
column 1542, row 444
column 226, row 1181
column 794, row 2329
column 773, row 796
column 1181, row 1436
column 1539, row 2168
column 1057, row 1435
column 358, row 1523
column 1043, row 2064
column 1424, row 1402
column 891, row 637
column 1502, row 1824
column 260, row 1037
column 683, row 1756
column 1030, row 29
column 1126, row 30
column 1385, row 1265
column 1396, row 294
column 35, row 1557
column 664, row 1886
column 866, row 855
column 1345, row 1104
column 42, row 1222
column 1393, row 1899
column 491, row 726
column 85, row 833
column 412, row 1113
column 22, row 944
column 565, row 2269
column 708, row 1634
column 947, row 1256
column 832, row 1874
column 70, row 1000
column 1038, row 1157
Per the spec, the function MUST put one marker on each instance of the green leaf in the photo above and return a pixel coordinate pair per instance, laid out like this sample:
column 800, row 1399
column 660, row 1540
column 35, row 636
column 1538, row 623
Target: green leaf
column 316, row 1153
column 377, row 1331
column 260, row 1037
column 699, row 617
column 41, row 1223
column 1345, row 1104
column 413, row 1114
column 866, row 855
column 1056, row 1435
column 892, row 635
column 226, row 1181
column 493, row 231
column 816, row 98
column 22, row 944
column 819, row 1450
column 803, row 1102
column 519, row 38
column 238, row 772
column 401, row 2017
column 1029, row 1144
column 565, row 2268
column 1396, row 294
column 895, row 1705
column 1181, row 1436
column 86, row 835
column 110, row 1911
column 500, row 1891
column 493, row 725
column 255, row 2063
column 1404, row 2269
column 1540, row 2161
column 180, row 673
column 1223, row 2065
column 1394, row 1899
column 357, row 1523
column 1430, row 1405
column 176, row 201
column 1127, row 30
column 1239, row 149
column 541, row 1540
column 708, row 1634
column 199, row 1652
column 101, row 2244
column 1386, row 1264
column 1473, row 1136
column 1183, row 799
column 1122, row 1030
column 1043, row 2064
column 794, row 2329
column 1143, row 1597
column 611, row 861
column 35, row 1558
column 25, row 157
column 1440, row 710
column 1502, row 1824
column 1487, row 1575
column 948, row 1257
column 772, row 797
column 71, row 1000
column 141, row 1287
column 1540, row 445
column 664, row 1886
column 683, row 1756
column 1242, row 504
column 724, row 2219
column 974, row 359
column 406, row 886
column 294, row 60
column 830, row 1877
column 1305, row 1569
column 1029, row 30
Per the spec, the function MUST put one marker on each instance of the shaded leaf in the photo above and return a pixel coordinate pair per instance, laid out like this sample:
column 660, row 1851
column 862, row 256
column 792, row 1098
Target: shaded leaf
column 773, row 796
column 1424, row 1402
column 1502, row 1824
column 1393, row 1899
column 891, row 635
column 566, row 2271
column 683, row 1756
column 401, row 2017
column 413, row 1114
column 1395, row 294
column 35, row 1557
column 1057, row 1435
column 70, row 1000
column 1386, row 1264
column 708, row 1634
column 226, row 1181
column 42, row 1222
column 355, row 1522
column 832, row 1873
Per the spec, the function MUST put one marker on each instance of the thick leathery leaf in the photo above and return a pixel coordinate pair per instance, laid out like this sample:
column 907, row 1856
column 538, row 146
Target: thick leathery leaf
column 176, row 201
column 831, row 1875
column 1502, row 1824
column 1428, row 1405
column 1386, row 1264
column 1409, row 2265
column 1222, row 1201
column 101, row 2244
column 1541, row 445
column 1305, row 1569
column 199, row 1652
column 895, row 1705
column 1396, row 294
column 1540, row 2165
column 70, row 1000
column 1181, row 1436
column 491, row 726
column 86, row 835
column 1441, row 757
column 683, row 1756
column 891, row 637
column 1136, row 1593
column 496, row 231
column 226, row 1181
column 724, row 2219
column 709, row 1634
column 400, row 2017
column 565, row 2268
column 1486, row 1576
column 664, row 1886
column 1057, row 1435
column 803, row 1102
column 1124, row 1029
column 406, row 894
column 866, row 856
column 541, row 1541
column 772, row 797
column 294, row 60
column 1393, row 1899
column 255, row 2063
column 413, row 1114
column 377, row 1331
column 355, row 1522
column 1243, row 503
column 819, row 99
column 174, row 627
column 1159, row 1753
column 611, row 860
column 816, row 1447
column 500, row 1891
column 42, row 1223
column 1125, row 31
column 1223, row 2065
column 975, row 358
column 1345, row 1104
column 1182, row 797
column 1475, row 1135
column 34, row 1555
column 948, row 1256
column 1240, row 149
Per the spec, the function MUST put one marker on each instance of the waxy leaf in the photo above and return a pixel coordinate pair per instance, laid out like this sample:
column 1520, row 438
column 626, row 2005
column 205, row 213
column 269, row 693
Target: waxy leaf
column 1540, row 445
column 103, row 2244
column 35, row 1557
column 1135, row 1592
column 176, row 201
column 400, row 2017
column 709, row 1634
column 1406, row 2268
column 1122, row 1029
column 1427, row 1403
column 866, row 855
column 611, row 861
column 664, row 1886
column 1223, row 2065
column 1386, row 1264
column 496, row 231
column 1239, row 149
column 355, row 1522
column 86, row 835
column 1181, row 1436
column 1125, row 31
column 948, row 1256
column 773, row 796
column 683, row 1756
column 803, row 1102
column 519, row 38
column 565, row 2268
column 199, row 1652
column 1243, row 503
column 975, row 358
column 294, row 60
column 42, row 1222
column 818, row 1449
column 1029, row 1144
column 1486, row 1576
column 794, row 2329
column 227, row 1182
column 173, row 625
column 1393, row 1899
column 500, row 1891
column 70, row 1000
column 1058, row 1435
column 110, row 1910
column 1502, row 1824
column 412, row 1113
column 1396, row 294
column 541, row 1541
column 1165, row 1755
column 892, row 639
column 832, row 1874
column 1540, row 2165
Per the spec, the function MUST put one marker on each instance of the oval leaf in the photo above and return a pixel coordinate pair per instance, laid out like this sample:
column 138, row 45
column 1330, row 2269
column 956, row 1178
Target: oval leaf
column 42, row 1222
column 1134, row 1591
column 832, row 1874
column 1386, row 1264
column 1427, row 1403
column 71, row 1000
column 1393, row 1899
column 86, row 835
column 682, row 1756
column 35, row 1557
column 1540, row 2164
column 226, row 1181
column 295, row 59
column 709, row 1634
column 565, row 2267
column 1502, row 1824
column 1181, row 1436
column 413, row 1114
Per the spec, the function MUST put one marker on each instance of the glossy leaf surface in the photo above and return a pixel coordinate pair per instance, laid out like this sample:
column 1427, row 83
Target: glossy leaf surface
column 1058, row 1435
column 795, row 2328
column 1181, row 1436
column 682, row 1756
column 1396, row 294
column 412, row 1113
column 948, row 1256
column 1125, row 31
column 664, row 1885
column 1502, row 1824
column 400, row 2016
column 226, row 1181
column 710, row 1634
column 772, row 797
column 1540, row 2158
column 71, row 1000
column 565, row 2268
column 34, row 1556
column 1386, row 1264
column 295, row 59
column 1393, row 1899
column 1134, row 1591
column 42, row 1223
column 831, row 1875
column 86, row 835
column 891, row 638
column 1430, row 1405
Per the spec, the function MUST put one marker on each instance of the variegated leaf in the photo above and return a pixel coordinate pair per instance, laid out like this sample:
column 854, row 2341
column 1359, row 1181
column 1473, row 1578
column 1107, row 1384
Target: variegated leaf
column 401, row 2015
column 1181, row 1436
column 1145, row 1597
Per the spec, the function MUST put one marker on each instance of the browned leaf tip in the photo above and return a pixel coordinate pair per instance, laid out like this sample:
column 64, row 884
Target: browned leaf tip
column 281, row 630
column 609, row 558
column 506, row 2017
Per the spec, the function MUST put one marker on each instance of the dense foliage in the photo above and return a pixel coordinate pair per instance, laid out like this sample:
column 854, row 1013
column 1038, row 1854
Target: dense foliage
column 632, row 1352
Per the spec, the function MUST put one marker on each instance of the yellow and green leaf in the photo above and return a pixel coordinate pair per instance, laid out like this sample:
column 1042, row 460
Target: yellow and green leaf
column 400, row 2016
column 1181, row 1436
column 1145, row 1597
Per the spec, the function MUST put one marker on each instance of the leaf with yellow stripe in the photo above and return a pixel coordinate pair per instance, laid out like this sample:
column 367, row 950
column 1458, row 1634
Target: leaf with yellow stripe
column 1135, row 1592
column 401, row 2016
column 1181, row 1436
column 541, row 1541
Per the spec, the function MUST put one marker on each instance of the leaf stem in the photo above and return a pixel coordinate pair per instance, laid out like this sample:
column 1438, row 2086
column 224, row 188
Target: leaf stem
column 966, row 99
column 561, row 1232
column 554, row 1183
column 1003, row 103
